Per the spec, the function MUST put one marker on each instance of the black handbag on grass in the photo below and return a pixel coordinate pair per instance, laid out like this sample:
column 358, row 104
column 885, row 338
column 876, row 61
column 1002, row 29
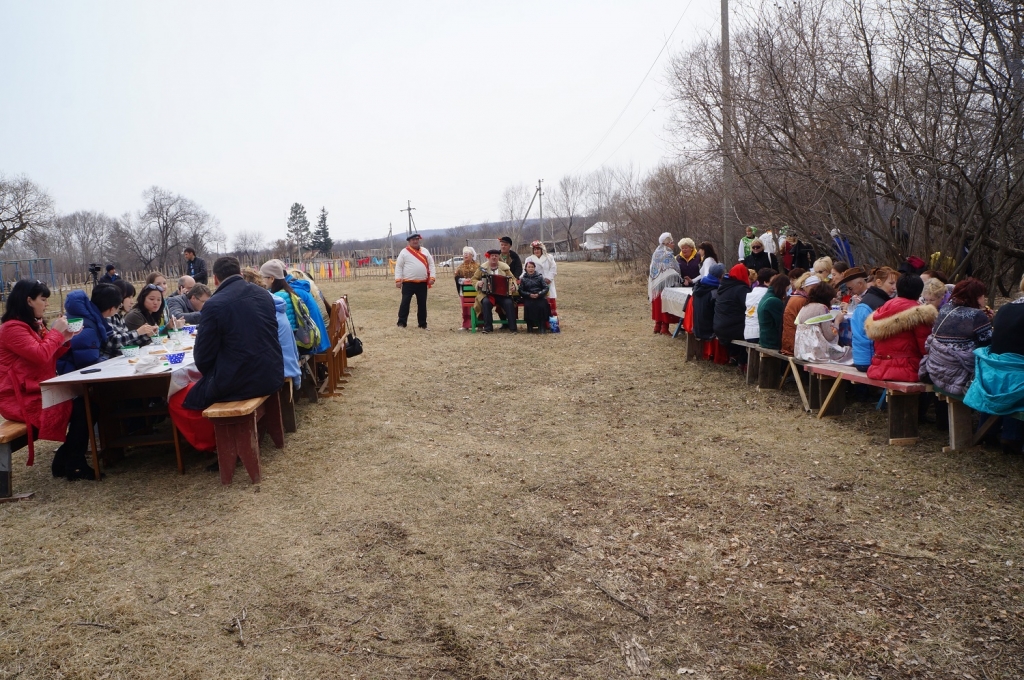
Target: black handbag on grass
column 353, row 345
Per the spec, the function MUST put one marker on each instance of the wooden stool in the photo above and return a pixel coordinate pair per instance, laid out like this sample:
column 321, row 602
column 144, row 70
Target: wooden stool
column 13, row 436
column 239, row 426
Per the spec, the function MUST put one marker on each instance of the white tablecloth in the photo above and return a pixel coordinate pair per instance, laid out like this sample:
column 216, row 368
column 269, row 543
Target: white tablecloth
column 68, row 386
column 673, row 300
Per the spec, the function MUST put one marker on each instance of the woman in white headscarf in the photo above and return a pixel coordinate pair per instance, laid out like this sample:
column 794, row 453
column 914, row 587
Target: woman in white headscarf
column 546, row 267
column 664, row 274
column 463, row 275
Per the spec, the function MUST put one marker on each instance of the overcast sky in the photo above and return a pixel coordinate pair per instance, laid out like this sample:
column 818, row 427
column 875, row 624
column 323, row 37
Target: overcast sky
column 247, row 107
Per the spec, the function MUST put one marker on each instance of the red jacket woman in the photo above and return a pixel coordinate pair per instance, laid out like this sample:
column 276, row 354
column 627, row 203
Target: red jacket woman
column 28, row 356
column 899, row 329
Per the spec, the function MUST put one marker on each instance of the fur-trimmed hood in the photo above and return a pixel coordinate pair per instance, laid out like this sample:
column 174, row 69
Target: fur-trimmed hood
column 898, row 315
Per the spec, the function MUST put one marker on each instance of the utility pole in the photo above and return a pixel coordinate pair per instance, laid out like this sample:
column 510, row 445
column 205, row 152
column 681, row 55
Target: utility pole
column 540, row 193
column 409, row 210
column 727, row 116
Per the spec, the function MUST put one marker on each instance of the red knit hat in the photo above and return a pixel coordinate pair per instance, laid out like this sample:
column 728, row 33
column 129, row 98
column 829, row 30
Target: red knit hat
column 739, row 271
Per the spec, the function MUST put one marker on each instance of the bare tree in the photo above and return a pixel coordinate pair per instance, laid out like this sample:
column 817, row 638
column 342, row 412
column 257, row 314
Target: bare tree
column 249, row 243
column 515, row 201
column 135, row 237
column 24, row 206
column 155, row 235
column 603, row 188
column 567, row 202
column 850, row 113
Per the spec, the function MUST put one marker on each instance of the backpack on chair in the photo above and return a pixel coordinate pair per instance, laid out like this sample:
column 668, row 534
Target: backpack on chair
column 307, row 334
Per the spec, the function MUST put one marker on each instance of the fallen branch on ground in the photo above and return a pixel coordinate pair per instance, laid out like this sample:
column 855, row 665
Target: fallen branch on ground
column 97, row 625
column 645, row 617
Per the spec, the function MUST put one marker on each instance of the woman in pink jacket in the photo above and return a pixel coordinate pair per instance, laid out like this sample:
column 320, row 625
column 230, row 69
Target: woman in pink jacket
column 899, row 329
column 28, row 356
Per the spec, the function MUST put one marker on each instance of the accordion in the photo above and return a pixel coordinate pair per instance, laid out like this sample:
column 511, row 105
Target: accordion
column 497, row 284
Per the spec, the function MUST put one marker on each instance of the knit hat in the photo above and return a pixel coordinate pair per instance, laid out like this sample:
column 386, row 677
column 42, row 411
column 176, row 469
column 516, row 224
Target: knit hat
column 273, row 269
column 717, row 270
column 740, row 273
column 811, row 280
column 665, row 236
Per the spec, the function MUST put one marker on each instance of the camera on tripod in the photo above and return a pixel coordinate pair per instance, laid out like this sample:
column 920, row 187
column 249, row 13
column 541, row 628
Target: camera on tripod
column 95, row 270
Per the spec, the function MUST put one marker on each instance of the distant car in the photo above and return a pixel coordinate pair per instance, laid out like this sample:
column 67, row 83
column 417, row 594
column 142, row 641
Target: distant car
column 451, row 263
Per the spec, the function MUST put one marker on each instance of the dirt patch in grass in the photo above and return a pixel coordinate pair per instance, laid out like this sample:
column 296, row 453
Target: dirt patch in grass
column 578, row 505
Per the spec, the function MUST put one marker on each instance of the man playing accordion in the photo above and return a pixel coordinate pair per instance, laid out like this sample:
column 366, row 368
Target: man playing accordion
column 497, row 285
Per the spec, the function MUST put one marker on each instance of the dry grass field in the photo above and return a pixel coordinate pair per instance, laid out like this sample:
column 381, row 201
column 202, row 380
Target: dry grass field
column 582, row 505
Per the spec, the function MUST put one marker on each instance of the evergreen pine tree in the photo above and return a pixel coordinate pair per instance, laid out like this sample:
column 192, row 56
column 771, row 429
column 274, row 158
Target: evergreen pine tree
column 322, row 240
column 298, row 226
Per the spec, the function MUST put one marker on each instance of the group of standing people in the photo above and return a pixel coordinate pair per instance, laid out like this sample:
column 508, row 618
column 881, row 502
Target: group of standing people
column 496, row 284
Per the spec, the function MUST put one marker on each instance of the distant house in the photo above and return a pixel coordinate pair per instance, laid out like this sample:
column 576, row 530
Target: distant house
column 599, row 237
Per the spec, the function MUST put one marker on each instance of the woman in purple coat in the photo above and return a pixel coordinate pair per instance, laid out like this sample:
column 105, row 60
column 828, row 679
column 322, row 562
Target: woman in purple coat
column 689, row 261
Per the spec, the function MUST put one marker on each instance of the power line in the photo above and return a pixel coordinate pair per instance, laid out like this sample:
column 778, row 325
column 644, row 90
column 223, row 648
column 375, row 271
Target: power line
column 633, row 96
column 649, row 111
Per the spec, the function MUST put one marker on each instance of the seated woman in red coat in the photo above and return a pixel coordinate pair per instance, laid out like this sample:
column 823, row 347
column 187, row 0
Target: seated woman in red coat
column 28, row 356
column 899, row 329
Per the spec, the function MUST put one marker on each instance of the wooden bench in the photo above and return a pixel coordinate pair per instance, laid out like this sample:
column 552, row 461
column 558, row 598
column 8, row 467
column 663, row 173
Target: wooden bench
column 903, row 399
column 771, row 369
column 961, row 423
column 13, row 436
column 498, row 321
column 334, row 359
column 239, row 426
column 692, row 346
column 309, row 389
column 753, row 360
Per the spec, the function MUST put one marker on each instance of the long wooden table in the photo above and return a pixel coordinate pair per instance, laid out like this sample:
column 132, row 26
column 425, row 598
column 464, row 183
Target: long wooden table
column 106, row 391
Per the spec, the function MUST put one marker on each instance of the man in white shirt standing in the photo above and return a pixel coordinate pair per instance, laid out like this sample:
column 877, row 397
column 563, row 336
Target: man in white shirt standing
column 414, row 274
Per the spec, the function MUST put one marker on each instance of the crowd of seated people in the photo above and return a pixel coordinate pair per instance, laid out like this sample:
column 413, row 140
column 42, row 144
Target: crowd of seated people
column 905, row 325
column 246, row 344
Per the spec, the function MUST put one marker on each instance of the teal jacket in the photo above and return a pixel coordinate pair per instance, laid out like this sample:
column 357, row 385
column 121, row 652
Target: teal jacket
column 769, row 320
column 998, row 386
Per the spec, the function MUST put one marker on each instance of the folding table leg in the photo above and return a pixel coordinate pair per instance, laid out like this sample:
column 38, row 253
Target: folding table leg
column 799, row 384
